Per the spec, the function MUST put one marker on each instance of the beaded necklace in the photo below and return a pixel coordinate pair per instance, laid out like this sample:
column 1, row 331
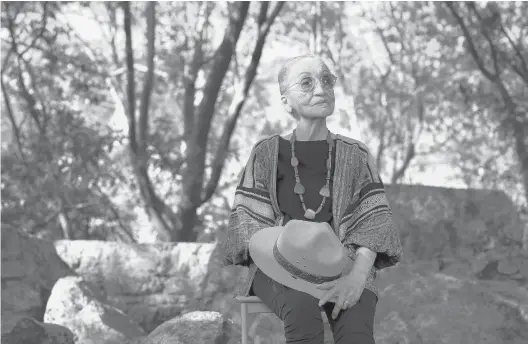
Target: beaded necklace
column 299, row 188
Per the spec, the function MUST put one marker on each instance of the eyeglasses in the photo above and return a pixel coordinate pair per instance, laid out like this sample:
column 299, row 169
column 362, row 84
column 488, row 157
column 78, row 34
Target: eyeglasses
column 307, row 84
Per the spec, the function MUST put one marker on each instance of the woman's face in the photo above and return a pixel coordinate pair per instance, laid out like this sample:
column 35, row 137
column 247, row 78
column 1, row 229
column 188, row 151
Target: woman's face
column 309, row 89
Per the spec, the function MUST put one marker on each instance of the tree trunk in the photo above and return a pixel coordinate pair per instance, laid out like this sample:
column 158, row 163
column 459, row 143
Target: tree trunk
column 193, row 173
column 65, row 225
column 195, row 193
column 138, row 128
column 197, row 120
column 521, row 148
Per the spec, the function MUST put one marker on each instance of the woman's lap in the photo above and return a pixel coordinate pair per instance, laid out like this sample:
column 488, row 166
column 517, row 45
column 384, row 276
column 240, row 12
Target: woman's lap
column 302, row 316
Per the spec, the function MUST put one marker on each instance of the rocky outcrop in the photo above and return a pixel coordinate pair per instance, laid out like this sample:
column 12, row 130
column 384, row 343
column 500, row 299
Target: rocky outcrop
column 463, row 268
column 75, row 304
column 462, row 232
column 151, row 282
column 196, row 328
column 453, row 224
column 418, row 305
column 30, row 268
column 470, row 236
column 30, row 331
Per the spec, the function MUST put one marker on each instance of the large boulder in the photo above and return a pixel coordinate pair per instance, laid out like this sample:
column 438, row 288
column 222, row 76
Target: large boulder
column 472, row 235
column 151, row 282
column 30, row 331
column 30, row 268
column 454, row 224
column 77, row 305
column 462, row 232
column 195, row 328
column 418, row 305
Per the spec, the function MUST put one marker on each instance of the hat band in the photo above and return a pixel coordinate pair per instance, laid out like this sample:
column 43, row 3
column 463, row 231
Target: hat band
column 297, row 273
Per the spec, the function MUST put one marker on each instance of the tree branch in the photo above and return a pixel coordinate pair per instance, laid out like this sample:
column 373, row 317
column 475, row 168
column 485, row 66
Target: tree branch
column 512, row 114
column 42, row 30
column 131, row 91
column 523, row 71
column 148, row 83
column 240, row 97
column 409, row 155
column 193, row 174
column 381, row 146
column 387, row 49
column 485, row 32
column 123, row 230
column 37, row 92
column 9, row 109
column 470, row 43
column 191, row 73
column 30, row 100
column 219, row 68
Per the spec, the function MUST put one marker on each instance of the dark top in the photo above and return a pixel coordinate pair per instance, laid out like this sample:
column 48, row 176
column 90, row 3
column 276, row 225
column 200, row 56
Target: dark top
column 312, row 157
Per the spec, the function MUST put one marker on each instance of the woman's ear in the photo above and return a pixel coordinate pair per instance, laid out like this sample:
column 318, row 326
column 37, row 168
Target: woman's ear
column 286, row 104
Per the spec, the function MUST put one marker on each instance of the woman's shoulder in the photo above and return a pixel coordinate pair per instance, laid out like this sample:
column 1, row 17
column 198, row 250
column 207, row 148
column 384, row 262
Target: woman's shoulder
column 351, row 141
column 354, row 146
column 264, row 144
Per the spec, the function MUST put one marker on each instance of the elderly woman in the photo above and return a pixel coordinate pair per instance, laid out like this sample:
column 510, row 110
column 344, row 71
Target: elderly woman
column 312, row 174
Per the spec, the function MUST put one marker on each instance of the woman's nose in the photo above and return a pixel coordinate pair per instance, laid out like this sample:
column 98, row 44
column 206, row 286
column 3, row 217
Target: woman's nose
column 319, row 89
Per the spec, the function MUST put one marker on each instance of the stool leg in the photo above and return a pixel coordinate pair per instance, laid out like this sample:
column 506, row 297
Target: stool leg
column 243, row 313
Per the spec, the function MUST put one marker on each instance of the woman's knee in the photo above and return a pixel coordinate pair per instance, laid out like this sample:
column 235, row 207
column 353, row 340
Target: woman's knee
column 302, row 318
column 356, row 324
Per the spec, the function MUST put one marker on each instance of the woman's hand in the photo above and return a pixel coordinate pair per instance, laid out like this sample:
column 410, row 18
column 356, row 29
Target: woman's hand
column 347, row 289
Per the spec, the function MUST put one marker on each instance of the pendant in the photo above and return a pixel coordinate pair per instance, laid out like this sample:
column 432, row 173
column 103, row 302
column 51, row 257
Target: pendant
column 298, row 189
column 325, row 191
column 294, row 162
column 309, row 214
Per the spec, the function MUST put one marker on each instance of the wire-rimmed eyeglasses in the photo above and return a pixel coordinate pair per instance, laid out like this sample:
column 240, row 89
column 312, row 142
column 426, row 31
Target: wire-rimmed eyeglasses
column 308, row 83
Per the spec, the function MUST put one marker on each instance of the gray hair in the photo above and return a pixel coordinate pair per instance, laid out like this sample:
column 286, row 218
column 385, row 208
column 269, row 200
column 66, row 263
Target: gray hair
column 286, row 68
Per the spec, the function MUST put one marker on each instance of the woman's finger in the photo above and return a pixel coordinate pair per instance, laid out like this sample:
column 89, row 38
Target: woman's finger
column 338, row 305
column 326, row 296
column 325, row 285
column 347, row 304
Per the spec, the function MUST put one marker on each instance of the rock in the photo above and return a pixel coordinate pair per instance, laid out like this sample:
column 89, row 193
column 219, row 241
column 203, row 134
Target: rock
column 152, row 283
column 461, row 233
column 195, row 328
column 507, row 267
column 77, row 305
column 439, row 222
column 30, row 268
column 138, row 340
column 428, row 307
column 30, row 331
column 522, row 264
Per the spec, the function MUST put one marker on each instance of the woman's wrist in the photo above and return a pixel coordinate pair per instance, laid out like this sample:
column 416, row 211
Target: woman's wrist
column 363, row 263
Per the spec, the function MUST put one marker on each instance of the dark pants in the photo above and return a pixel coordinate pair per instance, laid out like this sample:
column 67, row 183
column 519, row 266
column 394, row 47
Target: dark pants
column 302, row 315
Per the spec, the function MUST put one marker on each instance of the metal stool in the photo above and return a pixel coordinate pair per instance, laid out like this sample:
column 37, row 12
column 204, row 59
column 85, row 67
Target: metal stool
column 253, row 305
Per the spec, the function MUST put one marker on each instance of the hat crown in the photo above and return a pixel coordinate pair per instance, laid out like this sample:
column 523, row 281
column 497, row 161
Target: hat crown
column 312, row 248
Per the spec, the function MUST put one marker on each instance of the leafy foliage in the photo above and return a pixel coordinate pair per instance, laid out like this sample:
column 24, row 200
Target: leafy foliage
column 431, row 82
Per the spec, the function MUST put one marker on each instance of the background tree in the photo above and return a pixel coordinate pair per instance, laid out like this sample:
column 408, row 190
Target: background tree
column 404, row 98
column 197, row 119
column 493, row 39
column 55, row 165
column 136, row 128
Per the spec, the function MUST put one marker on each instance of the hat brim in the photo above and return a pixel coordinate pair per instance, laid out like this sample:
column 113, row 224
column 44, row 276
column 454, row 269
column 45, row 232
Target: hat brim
column 261, row 250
